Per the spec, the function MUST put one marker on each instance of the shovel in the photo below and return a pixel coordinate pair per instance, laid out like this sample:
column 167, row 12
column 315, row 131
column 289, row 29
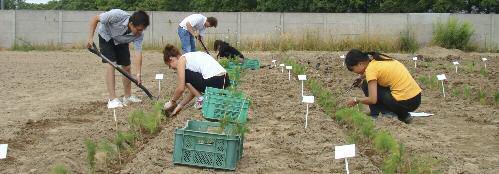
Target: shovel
column 128, row 76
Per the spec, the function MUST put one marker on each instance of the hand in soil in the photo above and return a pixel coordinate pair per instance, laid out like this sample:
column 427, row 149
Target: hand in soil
column 177, row 110
column 169, row 106
column 350, row 102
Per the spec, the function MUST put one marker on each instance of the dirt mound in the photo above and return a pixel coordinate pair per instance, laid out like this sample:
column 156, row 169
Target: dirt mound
column 435, row 52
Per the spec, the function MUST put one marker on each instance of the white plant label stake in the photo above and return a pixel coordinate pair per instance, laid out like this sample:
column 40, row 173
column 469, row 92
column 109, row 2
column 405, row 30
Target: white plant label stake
column 159, row 77
column 484, row 60
column 442, row 77
column 308, row 100
column 343, row 57
column 282, row 67
column 345, row 151
column 302, row 78
column 289, row 68
column 273, row 63
column 455, row 65
column 415, row 60
column 3, row 151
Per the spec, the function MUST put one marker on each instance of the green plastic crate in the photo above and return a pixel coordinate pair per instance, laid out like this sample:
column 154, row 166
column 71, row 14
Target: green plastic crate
column 218, row 103
column 253, row 64
column 200, row 144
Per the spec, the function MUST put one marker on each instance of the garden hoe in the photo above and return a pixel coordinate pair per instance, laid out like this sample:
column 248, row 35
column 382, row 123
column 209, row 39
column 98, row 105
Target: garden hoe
column 202, row 44
column 128, row 76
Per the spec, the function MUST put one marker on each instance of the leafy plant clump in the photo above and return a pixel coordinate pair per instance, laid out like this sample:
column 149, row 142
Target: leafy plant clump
column 408, row 42
column 452, row 34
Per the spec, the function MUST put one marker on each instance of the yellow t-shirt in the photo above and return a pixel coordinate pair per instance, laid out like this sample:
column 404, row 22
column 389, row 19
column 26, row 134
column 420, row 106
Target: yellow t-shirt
column 393, row 74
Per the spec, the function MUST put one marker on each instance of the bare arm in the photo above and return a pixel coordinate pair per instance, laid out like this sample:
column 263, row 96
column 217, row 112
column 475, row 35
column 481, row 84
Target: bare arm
column 373, row 93
column 180, row 79
column 191, row 30
column 93, row 24
column 138, row 59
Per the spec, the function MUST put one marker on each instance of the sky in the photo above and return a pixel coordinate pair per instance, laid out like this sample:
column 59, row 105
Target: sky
column 37, row 1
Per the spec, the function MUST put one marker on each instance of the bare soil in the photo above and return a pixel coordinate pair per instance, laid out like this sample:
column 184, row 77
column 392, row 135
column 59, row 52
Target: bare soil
column 53, row 101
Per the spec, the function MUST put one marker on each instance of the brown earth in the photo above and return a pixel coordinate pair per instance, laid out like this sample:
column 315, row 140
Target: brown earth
column 53, row 101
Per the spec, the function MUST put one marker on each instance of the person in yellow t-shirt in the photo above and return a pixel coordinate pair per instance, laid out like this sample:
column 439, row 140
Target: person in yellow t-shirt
column 388, row 85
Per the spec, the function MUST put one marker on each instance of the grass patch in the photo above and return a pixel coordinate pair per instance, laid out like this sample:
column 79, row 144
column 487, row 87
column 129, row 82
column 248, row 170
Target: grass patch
column 408, row 42
column 59, row 169
column 452, row 34
column 430, row 82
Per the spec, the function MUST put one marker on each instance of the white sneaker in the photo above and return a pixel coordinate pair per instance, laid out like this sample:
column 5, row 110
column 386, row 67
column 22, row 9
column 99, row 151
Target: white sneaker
column 132, row 98
column 199, row 103
column 115, row 103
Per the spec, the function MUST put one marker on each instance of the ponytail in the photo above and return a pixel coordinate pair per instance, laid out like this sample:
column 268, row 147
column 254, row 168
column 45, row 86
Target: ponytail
column 377, row 56
column 355, row 56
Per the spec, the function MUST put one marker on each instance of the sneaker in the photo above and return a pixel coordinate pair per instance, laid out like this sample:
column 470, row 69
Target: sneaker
column 199, row 103
column 388, row 114
column 408, row 120
column 115, row 103
column 132, row 98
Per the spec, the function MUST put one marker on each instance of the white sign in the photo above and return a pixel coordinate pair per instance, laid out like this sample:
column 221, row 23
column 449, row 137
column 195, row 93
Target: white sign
column 441, row 77
column 3, row 151
column 345, row 151
column 302, row 77
column 281, row 65
column 289, row 67
column 455, row 63
column 415, row 58
column 159, row 76
column 308, row 99
column 420, row 114
column 343, row 57
column 484, row 59
column 273, row 61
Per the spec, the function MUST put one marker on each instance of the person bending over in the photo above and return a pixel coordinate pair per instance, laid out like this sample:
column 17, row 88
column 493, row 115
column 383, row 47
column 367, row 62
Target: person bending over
column 225, row 50
column 195, row 71
column 388, row 85
column 193, row 27
column 116, row 30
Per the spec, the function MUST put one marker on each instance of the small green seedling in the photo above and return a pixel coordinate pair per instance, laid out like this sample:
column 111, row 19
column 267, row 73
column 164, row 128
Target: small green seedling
column 91, row 150
column 482, row 97
column 60, row 169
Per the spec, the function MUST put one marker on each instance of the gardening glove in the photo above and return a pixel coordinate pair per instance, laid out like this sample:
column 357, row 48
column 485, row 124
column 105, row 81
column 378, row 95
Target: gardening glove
column 169, row 106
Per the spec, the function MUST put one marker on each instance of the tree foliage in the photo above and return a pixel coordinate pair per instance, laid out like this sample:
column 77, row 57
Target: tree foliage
column 322, row 6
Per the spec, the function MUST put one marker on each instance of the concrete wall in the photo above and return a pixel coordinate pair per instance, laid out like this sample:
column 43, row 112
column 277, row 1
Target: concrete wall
column 71, row 27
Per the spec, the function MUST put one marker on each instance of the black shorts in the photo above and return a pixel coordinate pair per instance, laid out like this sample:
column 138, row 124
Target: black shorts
column 116, row 53
column 199, row 83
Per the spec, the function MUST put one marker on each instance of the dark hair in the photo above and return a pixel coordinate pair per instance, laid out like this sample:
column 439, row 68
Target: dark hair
column 139, row 18
column 213, row 21
column 218, row 45
column 355, row 56
column 170, row 51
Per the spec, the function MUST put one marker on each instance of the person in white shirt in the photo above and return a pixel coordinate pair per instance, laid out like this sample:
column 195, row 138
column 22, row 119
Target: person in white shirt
column 193, row 27
column 195, row 71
